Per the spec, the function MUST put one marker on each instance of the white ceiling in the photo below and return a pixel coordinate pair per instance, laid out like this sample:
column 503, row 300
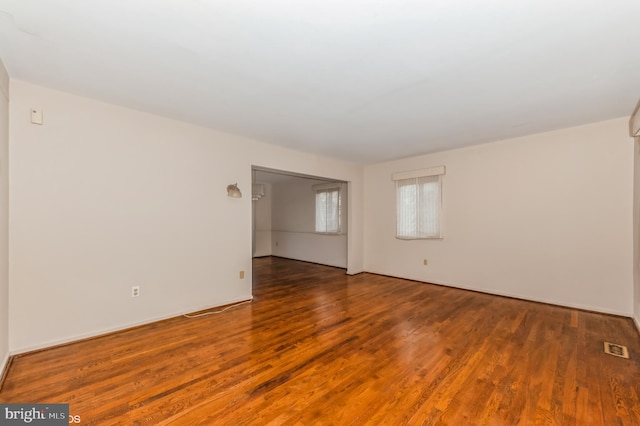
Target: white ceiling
column 361, row 80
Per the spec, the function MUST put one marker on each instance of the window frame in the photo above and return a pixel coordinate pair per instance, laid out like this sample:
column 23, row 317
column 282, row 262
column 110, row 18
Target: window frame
column 402, row 179
column 332, row 187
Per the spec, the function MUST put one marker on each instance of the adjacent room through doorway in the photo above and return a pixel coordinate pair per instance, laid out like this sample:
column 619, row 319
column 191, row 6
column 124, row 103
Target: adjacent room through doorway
column 299, row 217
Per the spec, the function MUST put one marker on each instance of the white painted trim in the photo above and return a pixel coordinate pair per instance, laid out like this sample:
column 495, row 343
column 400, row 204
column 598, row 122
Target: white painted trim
column 4, row 365
column 327, row 186
column 634, row 122
column 432, row 171
column 519, row 297
column 636, row 321
column 119, row 328
column 4, row 80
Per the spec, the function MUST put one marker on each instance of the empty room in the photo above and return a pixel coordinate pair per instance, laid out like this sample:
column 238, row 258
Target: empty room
column 318, row 212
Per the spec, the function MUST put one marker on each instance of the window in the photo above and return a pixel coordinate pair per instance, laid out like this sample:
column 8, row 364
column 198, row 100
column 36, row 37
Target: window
column 419, row 203
column 328, row 208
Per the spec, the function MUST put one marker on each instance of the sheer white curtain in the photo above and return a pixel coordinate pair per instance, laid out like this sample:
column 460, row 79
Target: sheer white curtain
column 419, row 203
column 328, row 210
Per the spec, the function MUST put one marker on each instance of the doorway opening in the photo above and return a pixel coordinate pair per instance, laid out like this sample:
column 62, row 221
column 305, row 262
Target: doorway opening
column 288, row 210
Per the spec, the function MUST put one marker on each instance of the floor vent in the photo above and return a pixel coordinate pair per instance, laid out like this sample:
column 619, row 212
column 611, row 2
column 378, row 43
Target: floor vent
column 616, row 350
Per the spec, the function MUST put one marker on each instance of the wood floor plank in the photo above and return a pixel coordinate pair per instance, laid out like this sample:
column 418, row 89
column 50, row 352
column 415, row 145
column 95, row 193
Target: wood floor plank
column 319, row 347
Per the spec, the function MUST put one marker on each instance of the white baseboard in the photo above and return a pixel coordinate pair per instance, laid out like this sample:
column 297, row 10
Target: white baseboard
column 636, row 321
column 3, row 368
column 123, row 327
column 519, row 296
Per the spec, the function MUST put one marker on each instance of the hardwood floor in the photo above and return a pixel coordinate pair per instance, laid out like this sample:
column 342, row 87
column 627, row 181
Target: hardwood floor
column 319, row 347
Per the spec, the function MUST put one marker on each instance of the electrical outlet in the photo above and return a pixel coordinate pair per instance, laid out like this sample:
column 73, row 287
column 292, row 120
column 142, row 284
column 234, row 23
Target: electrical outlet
column 426, row 262
column 241, row 275
column 135, row 291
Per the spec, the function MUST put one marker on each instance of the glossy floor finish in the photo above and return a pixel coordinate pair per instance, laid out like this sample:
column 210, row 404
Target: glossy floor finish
column 319, row 347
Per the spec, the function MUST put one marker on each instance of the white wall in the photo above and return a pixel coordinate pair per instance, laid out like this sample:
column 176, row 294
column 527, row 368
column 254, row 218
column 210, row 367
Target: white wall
column 545, row 217
column 103, row 198
column 636, row 234
column 4, row 216
column 262, row 223
column 293, row 225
